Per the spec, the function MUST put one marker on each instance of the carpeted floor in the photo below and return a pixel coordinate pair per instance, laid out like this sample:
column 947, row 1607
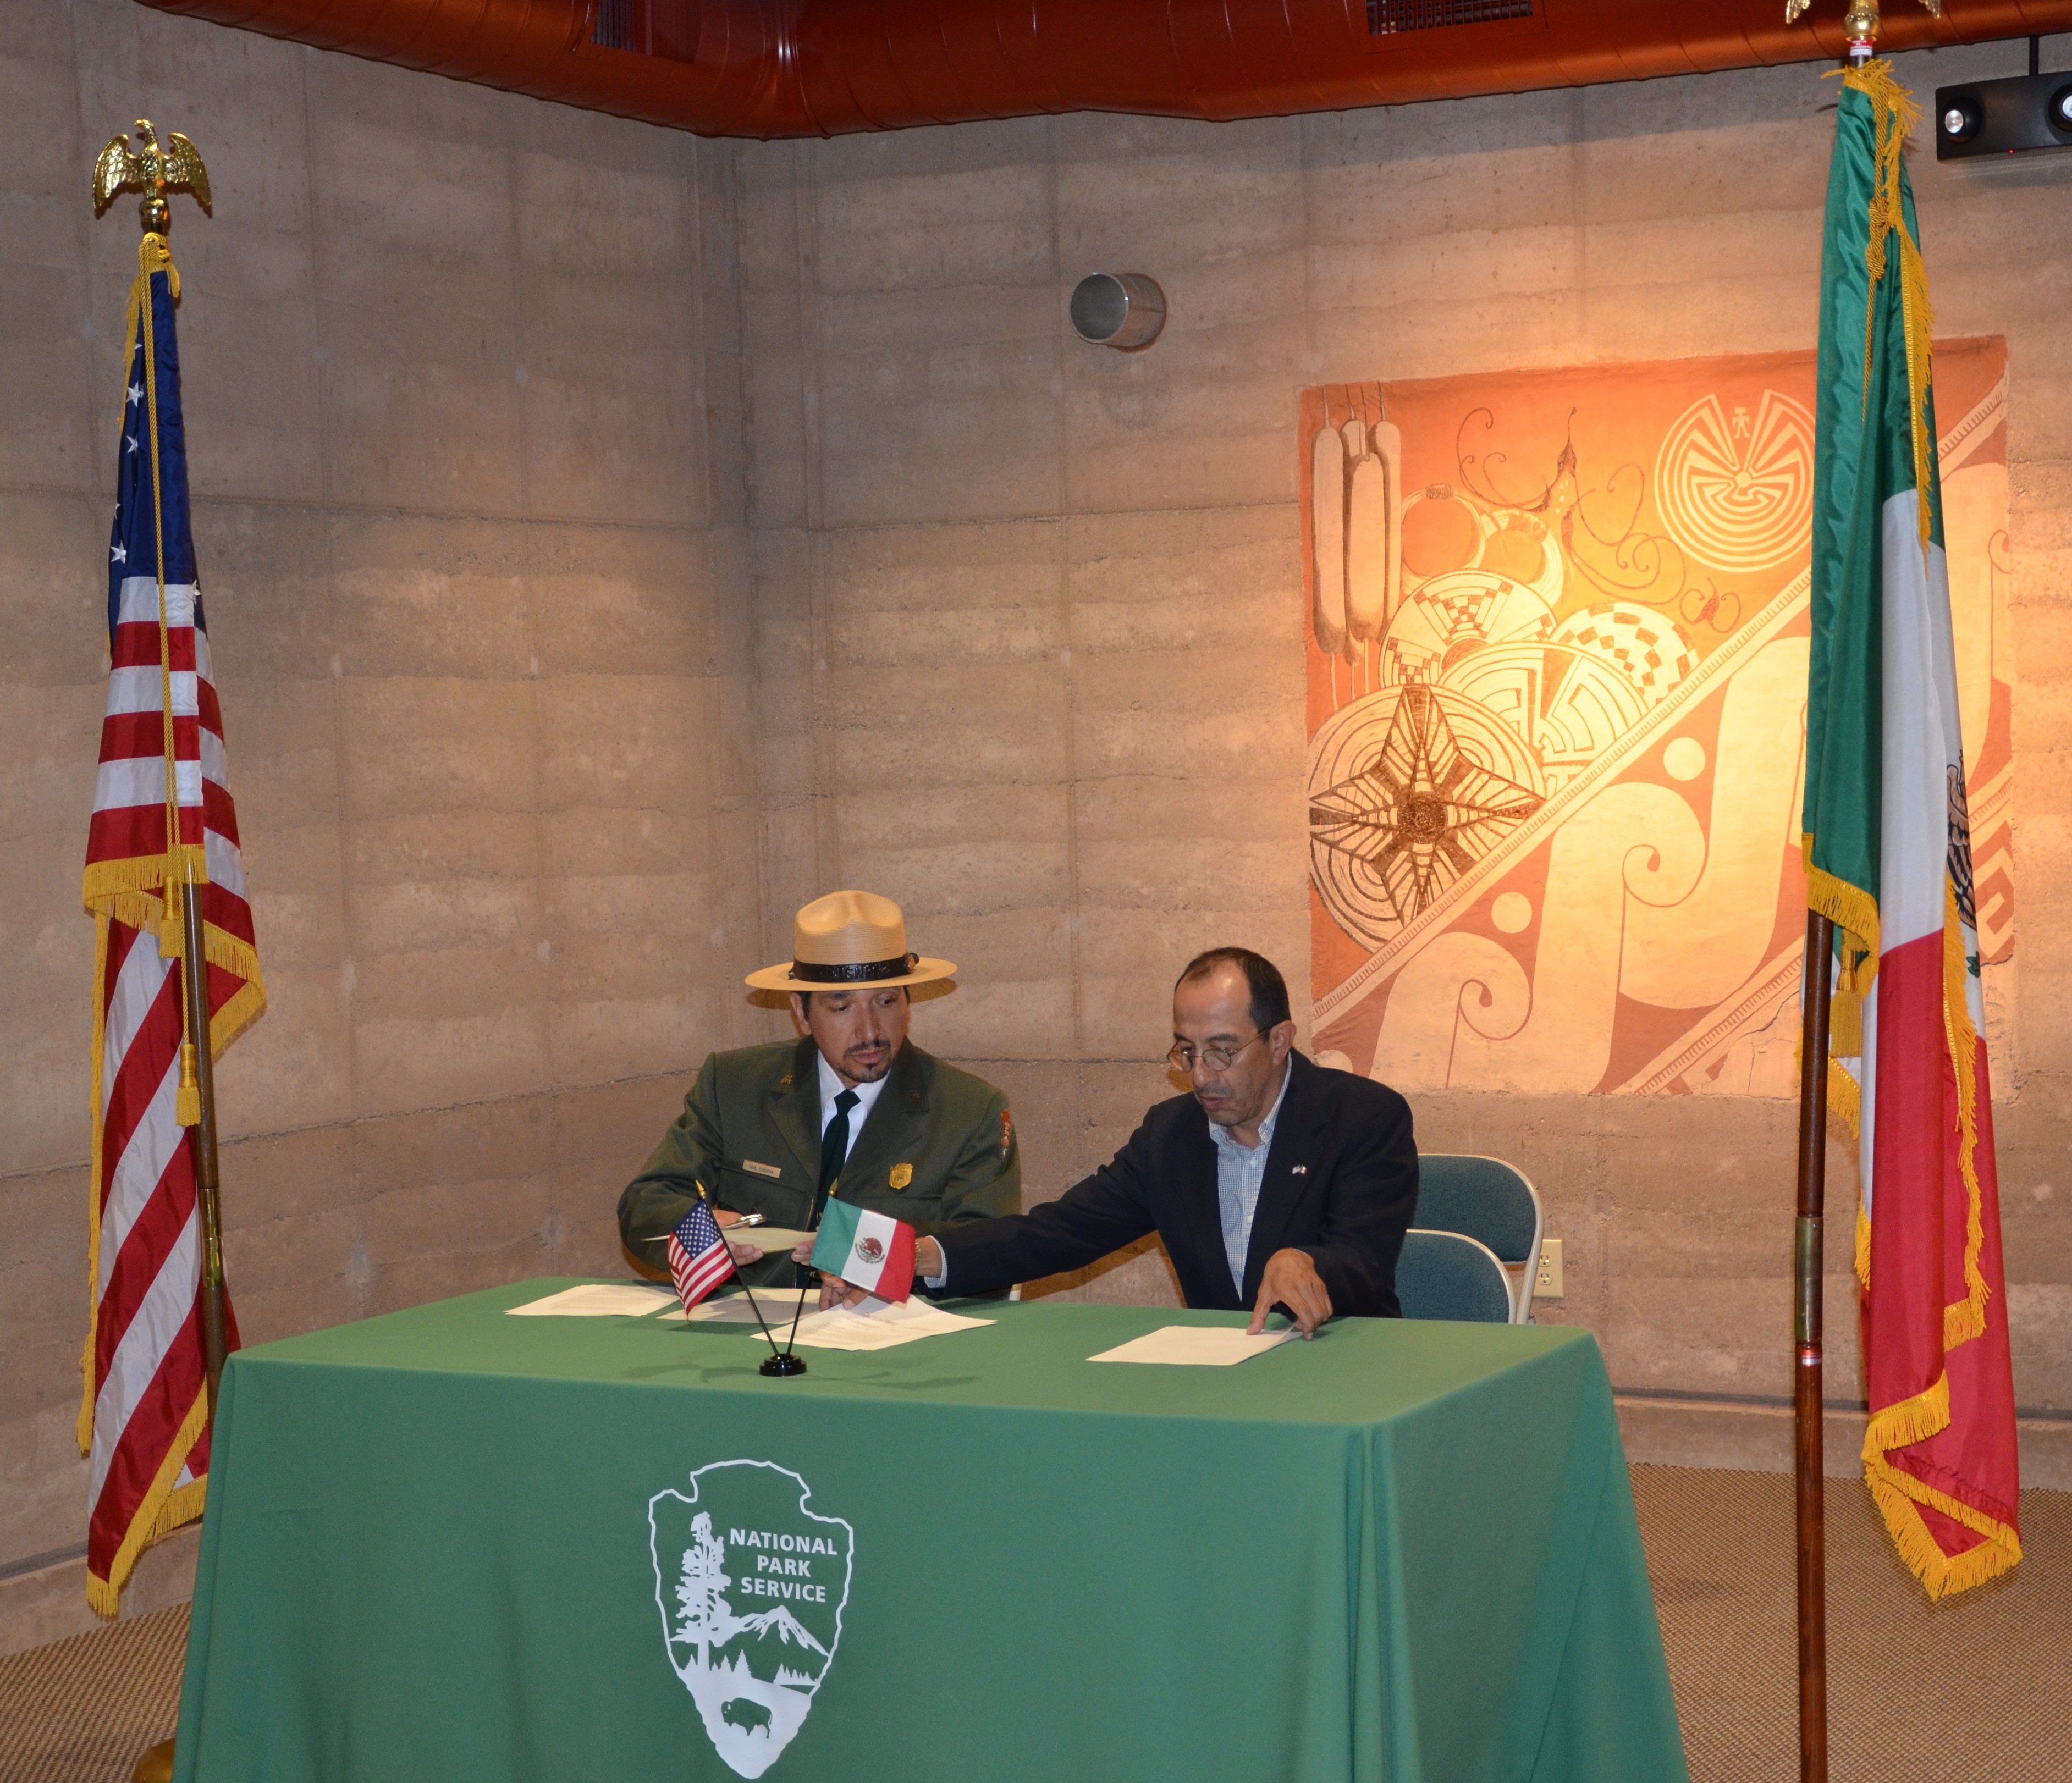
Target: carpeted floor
column 84, row 1711
column 1975, row 1690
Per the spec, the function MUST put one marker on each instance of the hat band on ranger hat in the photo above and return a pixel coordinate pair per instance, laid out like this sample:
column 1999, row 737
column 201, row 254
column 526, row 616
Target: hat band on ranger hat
column 862, row 972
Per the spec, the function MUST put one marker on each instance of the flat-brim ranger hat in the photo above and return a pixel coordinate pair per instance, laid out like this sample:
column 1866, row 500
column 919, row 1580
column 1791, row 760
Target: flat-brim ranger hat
column 846, row 940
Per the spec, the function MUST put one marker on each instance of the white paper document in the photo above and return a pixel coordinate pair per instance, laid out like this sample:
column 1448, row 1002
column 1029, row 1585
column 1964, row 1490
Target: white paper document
column 879, row 1325
column 778, row 1304
column 1202, row 1346
column 600, row 1300
column 870, row 1324
column 772, row 1241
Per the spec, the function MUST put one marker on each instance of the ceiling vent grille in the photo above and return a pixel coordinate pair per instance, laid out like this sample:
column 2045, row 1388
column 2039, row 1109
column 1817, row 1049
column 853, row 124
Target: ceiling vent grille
column 1387, row 17
column 666, row 28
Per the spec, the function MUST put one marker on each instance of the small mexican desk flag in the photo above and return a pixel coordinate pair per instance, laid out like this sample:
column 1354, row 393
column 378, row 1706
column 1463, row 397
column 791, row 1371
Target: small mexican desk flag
column 1888, row 854
column 868, row 1251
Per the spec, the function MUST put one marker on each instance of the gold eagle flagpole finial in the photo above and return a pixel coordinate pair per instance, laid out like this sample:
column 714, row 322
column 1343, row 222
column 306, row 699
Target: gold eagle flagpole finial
column 1861, row 21
column 153, row 171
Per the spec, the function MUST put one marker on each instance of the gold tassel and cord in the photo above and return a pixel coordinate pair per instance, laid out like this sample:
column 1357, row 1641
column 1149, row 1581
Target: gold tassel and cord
column 155, row 255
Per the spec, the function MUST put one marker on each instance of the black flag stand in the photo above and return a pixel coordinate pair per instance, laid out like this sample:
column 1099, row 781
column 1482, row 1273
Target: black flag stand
column 789, row 1363
column 776, row 1362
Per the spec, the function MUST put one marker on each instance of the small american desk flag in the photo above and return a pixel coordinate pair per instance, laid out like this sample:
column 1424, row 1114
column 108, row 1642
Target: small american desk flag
column 699, row 1259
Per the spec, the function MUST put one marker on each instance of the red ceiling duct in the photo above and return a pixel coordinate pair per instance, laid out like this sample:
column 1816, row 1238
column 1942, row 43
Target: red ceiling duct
column 822, row 67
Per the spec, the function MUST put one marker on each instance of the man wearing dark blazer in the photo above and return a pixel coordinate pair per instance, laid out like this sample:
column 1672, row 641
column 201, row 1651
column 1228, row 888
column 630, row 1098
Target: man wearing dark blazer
column 1276, row 1182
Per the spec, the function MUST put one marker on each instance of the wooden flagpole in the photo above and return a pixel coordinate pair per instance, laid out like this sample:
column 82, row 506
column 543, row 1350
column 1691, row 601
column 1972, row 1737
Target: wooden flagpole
column 1806, row 1355
column 1860, row 20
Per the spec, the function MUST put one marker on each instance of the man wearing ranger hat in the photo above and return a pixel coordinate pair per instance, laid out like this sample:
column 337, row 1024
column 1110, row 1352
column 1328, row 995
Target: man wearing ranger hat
column 852, row 1108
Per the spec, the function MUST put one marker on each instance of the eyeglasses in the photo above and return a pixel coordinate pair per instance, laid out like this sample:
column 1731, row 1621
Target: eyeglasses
column 1217, row 1058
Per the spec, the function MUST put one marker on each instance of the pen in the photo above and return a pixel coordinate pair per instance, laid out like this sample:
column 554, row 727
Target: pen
column 745, row 1219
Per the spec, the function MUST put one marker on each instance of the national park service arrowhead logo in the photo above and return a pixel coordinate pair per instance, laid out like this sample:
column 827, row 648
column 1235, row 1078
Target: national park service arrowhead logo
column 751, row 1585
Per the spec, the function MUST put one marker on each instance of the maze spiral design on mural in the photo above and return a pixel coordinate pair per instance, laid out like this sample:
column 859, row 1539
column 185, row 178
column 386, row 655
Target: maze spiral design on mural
column 1737, row 490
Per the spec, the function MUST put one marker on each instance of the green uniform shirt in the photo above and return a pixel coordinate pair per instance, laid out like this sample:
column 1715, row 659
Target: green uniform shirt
column 938, row 1149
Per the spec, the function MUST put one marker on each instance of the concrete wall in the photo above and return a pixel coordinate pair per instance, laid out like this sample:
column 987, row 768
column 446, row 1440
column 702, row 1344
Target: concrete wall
column 1028, row 612
column 613, row 539
column 461, row 377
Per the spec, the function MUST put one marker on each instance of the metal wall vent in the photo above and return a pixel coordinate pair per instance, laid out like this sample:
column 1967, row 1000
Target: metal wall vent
column 1386, row 18
column 666, row 28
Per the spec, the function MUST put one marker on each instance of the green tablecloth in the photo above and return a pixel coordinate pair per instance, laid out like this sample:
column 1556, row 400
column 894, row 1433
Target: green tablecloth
column 1405, row 1551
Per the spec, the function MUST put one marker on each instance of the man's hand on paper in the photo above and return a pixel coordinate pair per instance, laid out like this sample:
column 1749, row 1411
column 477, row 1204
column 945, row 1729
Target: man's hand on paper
column 741, row 1249
column 834, row 1291
column 1291, row 1279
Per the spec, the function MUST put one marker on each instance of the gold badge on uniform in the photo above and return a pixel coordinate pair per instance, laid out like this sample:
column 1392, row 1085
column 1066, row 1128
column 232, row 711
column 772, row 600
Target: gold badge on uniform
column 901, row 1175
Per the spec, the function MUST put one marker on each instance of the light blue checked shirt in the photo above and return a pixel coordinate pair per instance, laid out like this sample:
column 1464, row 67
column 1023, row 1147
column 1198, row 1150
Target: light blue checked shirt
column 1240, row 1170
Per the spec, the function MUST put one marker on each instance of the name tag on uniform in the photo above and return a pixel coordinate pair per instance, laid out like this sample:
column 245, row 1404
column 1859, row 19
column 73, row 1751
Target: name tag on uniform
column 761, row 1169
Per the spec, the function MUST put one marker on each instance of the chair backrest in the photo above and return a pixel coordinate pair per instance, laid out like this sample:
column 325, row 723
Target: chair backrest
column 1485, row 1198
column 1449, row 1275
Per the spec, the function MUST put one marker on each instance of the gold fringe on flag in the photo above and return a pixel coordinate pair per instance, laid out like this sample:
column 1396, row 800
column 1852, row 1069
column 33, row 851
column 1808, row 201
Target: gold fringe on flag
column 165, row 1507
column 1965, row 1319
column 1895, row 114
column 85, row 1431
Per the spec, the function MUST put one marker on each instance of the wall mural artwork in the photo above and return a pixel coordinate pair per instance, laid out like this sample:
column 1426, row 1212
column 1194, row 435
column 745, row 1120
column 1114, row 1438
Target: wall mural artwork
column 1557, row 642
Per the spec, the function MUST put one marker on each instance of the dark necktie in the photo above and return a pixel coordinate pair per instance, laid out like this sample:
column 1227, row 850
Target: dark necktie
column 834, row 1149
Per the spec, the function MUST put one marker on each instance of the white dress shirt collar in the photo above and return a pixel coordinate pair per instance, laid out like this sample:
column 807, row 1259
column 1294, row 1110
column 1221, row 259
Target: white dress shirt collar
column 832, row 1086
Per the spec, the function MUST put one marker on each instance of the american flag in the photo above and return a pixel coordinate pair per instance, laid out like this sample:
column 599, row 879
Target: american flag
column 162, row 809
column 699, row 1259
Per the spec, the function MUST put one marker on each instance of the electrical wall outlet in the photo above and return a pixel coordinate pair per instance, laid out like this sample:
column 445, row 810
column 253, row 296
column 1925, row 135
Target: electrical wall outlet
column 1547, row 1286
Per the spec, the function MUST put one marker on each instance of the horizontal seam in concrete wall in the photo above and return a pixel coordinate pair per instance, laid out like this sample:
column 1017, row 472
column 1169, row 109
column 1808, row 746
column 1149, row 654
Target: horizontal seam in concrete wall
column 386, row 509
column 1757, row 1402
column 685, row 1075
column 230, row 1142
column 1033, row 517
column 36, row 1563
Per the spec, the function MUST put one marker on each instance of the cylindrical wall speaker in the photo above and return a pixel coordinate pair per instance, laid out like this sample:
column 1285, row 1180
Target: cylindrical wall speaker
column 1119, row 309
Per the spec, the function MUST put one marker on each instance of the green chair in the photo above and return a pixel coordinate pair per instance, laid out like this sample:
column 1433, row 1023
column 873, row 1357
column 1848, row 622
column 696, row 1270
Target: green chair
column 1449, row 1275
column 1489, row 1200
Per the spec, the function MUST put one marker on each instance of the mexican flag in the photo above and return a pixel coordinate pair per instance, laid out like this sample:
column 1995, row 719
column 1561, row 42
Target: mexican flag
column 1887, row 857
column 868, row 1251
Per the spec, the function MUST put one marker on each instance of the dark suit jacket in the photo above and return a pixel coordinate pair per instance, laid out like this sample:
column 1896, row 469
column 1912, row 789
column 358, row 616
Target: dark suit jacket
column 1341, row 1184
